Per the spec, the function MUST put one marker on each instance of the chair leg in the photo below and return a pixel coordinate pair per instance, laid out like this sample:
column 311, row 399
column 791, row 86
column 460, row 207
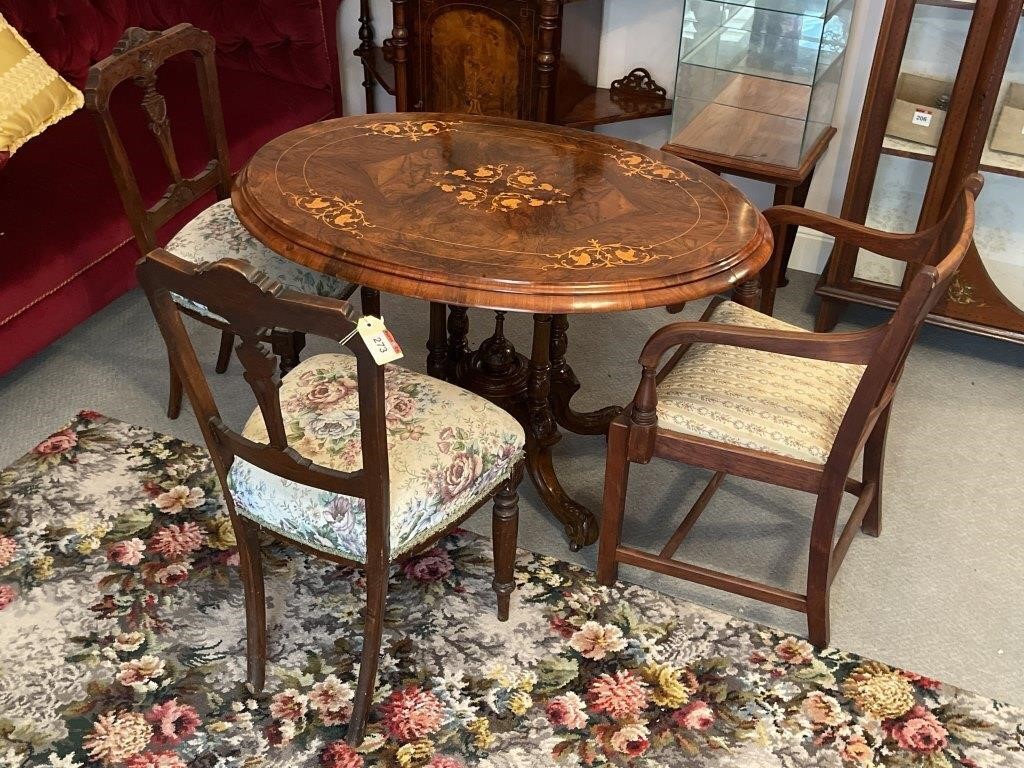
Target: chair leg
column 616, row 477
column 175, row 392
column 227, row 341
column 819, row 565
column 369, row 299
column 287, row 345
column 504, row 531
column 373, row 629
column 251, row 562
column 818, row 620
column 874, row 458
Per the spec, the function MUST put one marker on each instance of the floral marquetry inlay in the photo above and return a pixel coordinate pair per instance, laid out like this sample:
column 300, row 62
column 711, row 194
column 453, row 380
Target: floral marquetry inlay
column 344, row 215
column 515, row 215
column 597, row 255
column 961, row 292
column 495, row 188
column 635, row 164
column 414, row 130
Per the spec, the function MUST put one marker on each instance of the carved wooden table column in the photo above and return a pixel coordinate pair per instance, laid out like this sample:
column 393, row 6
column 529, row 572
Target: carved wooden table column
column 469, row 211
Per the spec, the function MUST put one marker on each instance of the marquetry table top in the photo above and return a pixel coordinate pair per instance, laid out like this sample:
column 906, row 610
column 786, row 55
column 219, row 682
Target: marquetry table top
column 497, row 213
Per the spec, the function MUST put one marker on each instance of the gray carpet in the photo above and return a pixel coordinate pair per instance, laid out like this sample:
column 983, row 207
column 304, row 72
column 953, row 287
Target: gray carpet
column 938, row 593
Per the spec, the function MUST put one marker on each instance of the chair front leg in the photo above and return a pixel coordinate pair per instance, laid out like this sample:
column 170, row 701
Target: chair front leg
column 373, row 630
column 504, row 532
column 616, row 477
column 819, row 565
column 227, row 341
column 874, row 458
column 369, row 299
column 287, row 345
column 251, row 562
column 174, row 393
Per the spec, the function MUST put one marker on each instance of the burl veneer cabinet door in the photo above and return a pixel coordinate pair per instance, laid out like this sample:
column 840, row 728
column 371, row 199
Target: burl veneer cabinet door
column 504, row 58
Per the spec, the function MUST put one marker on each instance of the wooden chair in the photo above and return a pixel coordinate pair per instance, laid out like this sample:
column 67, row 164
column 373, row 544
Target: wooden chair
column 358, row 488
column 216, row 232
column 748, row 395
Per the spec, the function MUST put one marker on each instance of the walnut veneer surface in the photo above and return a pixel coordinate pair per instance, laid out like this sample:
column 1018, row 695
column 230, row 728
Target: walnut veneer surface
column 501, row 214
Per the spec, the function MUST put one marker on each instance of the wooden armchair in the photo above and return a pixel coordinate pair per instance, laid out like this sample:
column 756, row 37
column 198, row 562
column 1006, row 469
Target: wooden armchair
column 385, row 461
column 748, row 395
column 216, row 232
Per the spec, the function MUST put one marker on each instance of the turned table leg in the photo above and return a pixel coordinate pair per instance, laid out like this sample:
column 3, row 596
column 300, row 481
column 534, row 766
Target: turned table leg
column 437, row 343
column 748, row 293
column 542, row 434
column 458, row 344
column 536, row 391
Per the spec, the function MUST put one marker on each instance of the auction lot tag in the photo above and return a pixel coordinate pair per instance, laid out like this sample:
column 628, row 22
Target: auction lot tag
column 922, row 117
column 378, row 339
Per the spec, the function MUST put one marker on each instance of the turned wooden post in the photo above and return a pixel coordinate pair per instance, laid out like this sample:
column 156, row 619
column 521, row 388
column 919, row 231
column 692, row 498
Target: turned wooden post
column 364, row 51
column 643, row 417
column 547, row 59
column 400, row 48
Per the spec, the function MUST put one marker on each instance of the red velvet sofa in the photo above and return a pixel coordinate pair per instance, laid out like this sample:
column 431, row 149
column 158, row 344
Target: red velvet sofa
column 66, row 248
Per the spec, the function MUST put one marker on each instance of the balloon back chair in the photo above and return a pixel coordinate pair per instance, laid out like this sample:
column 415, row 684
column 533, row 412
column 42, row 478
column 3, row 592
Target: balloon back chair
column 748, row 395
column 376, row 499
column 215, row 232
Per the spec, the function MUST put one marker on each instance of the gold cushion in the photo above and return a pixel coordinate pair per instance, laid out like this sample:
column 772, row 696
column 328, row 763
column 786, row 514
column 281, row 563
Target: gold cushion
column 789, row 406
column 32, row 95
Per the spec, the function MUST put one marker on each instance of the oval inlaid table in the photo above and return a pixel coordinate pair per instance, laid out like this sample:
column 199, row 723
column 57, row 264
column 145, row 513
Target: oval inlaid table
column 470, row 211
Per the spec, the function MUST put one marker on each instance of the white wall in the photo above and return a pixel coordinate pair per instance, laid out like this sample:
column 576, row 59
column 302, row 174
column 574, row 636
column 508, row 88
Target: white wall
column 645, row 33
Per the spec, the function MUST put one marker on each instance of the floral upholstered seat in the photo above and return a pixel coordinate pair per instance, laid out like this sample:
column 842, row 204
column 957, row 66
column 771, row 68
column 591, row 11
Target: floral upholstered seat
column 769, row 402
column 216, row 234
column 448, row 450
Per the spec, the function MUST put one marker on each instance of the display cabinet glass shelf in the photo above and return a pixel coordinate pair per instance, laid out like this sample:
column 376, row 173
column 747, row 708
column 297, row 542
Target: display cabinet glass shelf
column 906, row 173
column 757, row 79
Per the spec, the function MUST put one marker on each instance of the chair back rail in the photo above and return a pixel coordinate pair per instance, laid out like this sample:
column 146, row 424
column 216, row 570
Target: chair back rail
column 943, row 248
column 138, row 57
column 251, row 305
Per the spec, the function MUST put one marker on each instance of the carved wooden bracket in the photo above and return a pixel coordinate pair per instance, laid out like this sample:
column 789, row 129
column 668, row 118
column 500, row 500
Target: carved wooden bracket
column 132, row 38
column 638, row 82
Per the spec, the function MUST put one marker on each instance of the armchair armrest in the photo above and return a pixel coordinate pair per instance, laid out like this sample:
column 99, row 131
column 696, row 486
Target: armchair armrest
column 856, row 347
column 912, row 247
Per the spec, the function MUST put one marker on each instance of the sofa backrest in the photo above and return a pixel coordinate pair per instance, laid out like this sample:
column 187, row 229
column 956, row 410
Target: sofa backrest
column 291, row 40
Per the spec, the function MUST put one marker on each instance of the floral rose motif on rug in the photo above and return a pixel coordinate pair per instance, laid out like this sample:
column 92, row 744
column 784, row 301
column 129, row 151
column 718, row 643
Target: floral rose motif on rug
column 122, row 631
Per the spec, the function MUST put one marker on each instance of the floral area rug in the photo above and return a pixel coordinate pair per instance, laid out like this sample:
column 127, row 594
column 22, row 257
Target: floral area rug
column 122, row 644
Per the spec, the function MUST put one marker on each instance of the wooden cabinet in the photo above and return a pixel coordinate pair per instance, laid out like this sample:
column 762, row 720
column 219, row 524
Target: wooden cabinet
column 526, row 59
column 900, row 183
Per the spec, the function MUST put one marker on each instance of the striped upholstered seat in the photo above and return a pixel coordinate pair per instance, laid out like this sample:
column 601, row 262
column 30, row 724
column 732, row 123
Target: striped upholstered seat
column 789, row 406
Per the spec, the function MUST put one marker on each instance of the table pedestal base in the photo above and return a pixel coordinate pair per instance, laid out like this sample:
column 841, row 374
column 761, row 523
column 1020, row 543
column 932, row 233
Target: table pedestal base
column 536, row 390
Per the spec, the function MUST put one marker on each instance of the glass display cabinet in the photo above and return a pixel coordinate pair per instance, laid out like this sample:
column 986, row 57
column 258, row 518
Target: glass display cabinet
column 757, row 79
column 946, row 98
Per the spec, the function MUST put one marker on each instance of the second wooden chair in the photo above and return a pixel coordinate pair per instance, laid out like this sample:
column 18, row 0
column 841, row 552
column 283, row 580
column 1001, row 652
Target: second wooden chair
column 750, row 396
column 216, row 232
column 361, row 464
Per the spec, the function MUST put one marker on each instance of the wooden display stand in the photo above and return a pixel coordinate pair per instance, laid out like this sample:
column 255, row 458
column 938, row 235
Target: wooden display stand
column 525, row 59
column 973, row 302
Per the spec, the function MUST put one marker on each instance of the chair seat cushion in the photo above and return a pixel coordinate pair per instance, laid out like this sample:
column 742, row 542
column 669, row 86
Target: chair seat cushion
column 448, row 449
column 779, row 404
column 216, row 234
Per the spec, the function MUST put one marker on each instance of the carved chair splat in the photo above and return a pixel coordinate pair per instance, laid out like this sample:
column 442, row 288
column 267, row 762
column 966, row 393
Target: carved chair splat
column 138, row 57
